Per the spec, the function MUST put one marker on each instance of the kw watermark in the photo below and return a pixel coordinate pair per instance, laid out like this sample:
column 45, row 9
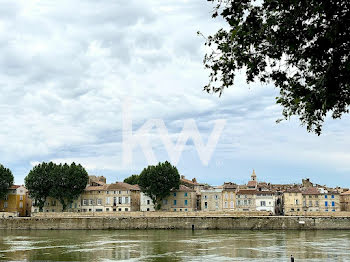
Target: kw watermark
column 190, row 131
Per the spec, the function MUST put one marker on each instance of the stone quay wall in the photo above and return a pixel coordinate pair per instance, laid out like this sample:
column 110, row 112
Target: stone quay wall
column 234, row 223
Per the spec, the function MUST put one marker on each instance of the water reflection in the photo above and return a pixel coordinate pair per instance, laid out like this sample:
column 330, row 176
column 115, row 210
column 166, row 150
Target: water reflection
column 162, row 245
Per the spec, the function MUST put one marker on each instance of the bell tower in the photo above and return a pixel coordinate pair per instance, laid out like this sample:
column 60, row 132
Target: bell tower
column 253, row 176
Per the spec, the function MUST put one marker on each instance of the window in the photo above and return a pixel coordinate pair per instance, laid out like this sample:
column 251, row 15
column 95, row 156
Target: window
column 310, row 203
column 6, row 197
column 326, row 203
column 174, row 194
column 332, row 196
column 107, row 200
column 174, row 202
column 231, row 204
column 107, row 192
column 185, row 194
column 238, row 202
column 325, row 196
column 186, row 209
column 91, row 202
column 165, row 201
column 216, row 205
column 226, row 196
column 20, row 197
column 205, row 204
column 99, row 202
column 297, row 202
column 333, row 204
column 5, row 205
column 205, row 197
column 245, row 202
column 75, row 205
column 148, row 202
column 317, row 203
column 226, row 204
column 126, row 200
column 175, row 209
column 120, row 200
column 119, row 209
column 85, row 202
column 186, row 202
column 99, row 210
column 126, row 209
column 262, row 203
column 216, row 196
column 107, row 209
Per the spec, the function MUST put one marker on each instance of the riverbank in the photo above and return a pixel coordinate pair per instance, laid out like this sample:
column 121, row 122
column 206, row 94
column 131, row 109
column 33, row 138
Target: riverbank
column 231, row 223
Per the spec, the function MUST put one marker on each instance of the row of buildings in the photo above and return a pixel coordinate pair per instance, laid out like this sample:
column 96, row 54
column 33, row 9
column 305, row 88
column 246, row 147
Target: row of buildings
column 276, row 199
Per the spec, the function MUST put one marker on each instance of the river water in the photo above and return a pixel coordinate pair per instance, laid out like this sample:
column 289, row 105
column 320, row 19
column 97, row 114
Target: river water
column 175, row 245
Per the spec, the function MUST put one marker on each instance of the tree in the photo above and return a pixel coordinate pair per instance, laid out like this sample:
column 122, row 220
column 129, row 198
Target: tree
column 6, row 181
column 70, row 182
column 132, row 180
column 301, row 46
column 157, row 181
column 62, row 182
column 39, row 182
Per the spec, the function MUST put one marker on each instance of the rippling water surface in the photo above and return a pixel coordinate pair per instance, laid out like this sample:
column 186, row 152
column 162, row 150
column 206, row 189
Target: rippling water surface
column 176, row 245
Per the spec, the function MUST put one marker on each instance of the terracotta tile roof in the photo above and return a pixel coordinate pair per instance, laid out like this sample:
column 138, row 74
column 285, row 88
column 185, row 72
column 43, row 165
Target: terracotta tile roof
column 230, row 186
column 293, row 190
column 265, row 192
column 252, row 183
column 14, row 187
column 246, row 192
column 122, row 186
column 96, row 188
column 192, row 182
column 183, row 188
column 311, row 191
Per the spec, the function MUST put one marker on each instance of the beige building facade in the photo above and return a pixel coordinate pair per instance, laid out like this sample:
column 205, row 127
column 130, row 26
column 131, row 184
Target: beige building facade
column 211, row 199
column 292, row 201
column 180, row 200
column 229, row 196
column 246, row 200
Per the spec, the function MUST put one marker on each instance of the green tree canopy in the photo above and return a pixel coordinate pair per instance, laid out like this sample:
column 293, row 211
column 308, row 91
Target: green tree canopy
column 39, row 182
column 62, row 182
column 303, row 47
column 157, row 181
column 132, row 180
column 70, row 182
column 6, row 180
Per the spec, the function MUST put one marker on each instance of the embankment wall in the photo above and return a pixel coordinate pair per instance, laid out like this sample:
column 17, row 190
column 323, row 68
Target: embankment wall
column 249, row 223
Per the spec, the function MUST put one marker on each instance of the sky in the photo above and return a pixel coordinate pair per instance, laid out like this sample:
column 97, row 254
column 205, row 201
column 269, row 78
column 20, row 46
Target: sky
column 68, row 67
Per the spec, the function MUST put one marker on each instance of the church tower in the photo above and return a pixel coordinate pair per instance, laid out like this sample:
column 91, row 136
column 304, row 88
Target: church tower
column 253, row 176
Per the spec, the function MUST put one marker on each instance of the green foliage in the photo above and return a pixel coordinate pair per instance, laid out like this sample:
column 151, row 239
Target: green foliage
column 132, row 180
column 6, row 180
column 39, row 182
column 301, row 46
column 157, row 181
column 62, row 182
column 70, row 182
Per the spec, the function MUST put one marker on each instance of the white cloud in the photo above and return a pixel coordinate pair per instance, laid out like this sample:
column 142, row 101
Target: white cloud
column 66, row 68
